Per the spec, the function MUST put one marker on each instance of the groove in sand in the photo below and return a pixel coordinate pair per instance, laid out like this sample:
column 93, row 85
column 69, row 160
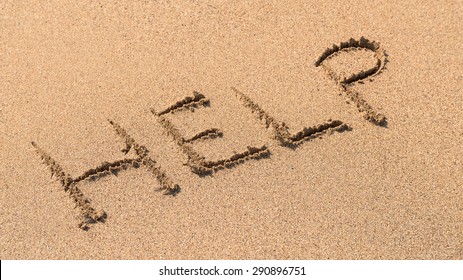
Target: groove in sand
column 197, row 163
column 210, row 133
column 88, row 213
column 281, row 131
column 345, row 84
column 187, row 103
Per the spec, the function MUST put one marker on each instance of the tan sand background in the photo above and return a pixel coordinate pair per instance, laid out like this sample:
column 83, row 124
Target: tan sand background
column 373, row 192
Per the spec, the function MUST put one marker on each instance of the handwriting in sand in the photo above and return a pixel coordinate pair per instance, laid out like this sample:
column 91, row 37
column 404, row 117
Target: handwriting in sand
column 197, row 163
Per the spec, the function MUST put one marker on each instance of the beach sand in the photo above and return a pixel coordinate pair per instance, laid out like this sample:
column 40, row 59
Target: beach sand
column 87, row 81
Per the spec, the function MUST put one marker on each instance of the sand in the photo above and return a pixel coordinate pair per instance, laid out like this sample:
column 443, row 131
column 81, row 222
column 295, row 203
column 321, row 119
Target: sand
column 225, row 130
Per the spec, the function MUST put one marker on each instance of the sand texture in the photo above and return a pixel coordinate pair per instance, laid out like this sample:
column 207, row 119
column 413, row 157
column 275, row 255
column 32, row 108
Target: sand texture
column 231, row 129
